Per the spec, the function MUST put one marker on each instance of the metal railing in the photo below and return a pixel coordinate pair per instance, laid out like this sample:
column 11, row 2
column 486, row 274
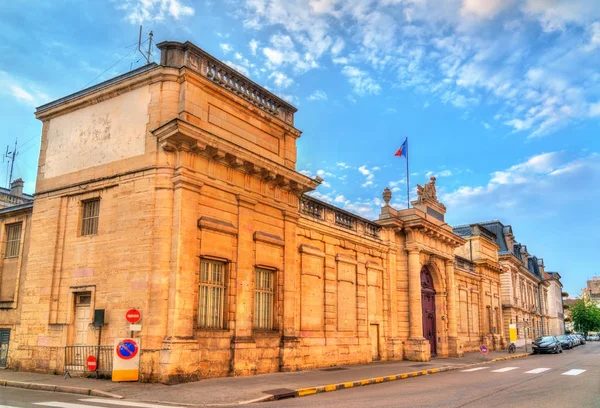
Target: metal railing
column 76, row 358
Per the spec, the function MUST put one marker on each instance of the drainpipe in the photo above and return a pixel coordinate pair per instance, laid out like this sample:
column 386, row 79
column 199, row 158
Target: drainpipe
column 541, row 308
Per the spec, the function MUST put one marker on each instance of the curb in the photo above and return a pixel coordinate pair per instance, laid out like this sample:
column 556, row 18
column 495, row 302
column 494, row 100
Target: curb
column 303, row 392
column 59, row 388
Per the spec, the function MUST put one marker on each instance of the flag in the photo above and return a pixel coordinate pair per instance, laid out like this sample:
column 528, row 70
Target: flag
column 403, row 151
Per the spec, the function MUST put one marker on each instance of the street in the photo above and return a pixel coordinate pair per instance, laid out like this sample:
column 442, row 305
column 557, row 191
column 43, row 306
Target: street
column 570, row 379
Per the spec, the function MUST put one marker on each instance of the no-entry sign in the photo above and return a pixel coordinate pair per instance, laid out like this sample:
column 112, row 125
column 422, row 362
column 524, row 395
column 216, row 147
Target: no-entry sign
column 92, row 363
column 133, row 315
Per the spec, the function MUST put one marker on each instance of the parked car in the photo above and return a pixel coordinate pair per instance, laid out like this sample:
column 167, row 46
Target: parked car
column 566, row 342
column 546, row 344
column 581, row 338
column 592, row 337
column 576, row 341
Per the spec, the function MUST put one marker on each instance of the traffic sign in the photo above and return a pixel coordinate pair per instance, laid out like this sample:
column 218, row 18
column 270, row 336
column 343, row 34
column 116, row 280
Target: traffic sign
column 127, row 349
column 92, row 363
column 133, row 315
column 483, row 349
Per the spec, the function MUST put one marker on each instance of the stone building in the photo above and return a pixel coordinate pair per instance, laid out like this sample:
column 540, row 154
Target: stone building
column 173, row 189
column 593, row 288
column 556, row 313
column 524, row 290
column 478, row 277
column 15, row 225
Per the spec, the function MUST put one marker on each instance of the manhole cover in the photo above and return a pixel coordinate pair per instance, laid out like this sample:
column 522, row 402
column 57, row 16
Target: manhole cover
column 420, row 365
column 334, row 369
column 280, row 393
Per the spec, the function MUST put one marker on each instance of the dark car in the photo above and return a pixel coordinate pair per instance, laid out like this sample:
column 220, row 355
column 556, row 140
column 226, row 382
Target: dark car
column 546, row 344
column 574, row 340
column 566, row 342
column 581, row 338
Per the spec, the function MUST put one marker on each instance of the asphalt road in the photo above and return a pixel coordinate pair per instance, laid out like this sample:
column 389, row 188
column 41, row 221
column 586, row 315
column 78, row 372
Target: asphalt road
column 22, row 398
column 554, row 381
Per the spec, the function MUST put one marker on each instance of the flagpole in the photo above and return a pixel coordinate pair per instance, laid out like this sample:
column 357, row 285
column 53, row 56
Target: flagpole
column 407, row 178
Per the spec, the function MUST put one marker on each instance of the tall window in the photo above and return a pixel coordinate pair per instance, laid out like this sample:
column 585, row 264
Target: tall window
column 91, row 213
column 211, row 294
column 13, row 240
column 264, row 297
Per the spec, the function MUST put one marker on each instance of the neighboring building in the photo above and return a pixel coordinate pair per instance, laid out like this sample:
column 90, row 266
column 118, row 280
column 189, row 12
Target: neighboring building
column 478, row 288
column 14, row 195
column 524, row 291
column 569, row 324
column 593, row 288
column 173, row 189
column 556, row 313
column 15, row 226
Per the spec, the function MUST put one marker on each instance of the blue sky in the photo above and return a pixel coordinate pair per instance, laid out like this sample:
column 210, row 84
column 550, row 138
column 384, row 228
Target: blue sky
column 500, row 99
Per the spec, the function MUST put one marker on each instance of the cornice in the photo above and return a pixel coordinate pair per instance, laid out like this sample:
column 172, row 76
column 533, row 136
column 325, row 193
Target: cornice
column 179, row 135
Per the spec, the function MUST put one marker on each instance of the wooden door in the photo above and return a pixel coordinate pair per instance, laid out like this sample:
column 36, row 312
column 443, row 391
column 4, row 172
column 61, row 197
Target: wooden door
column 428, row 305
column 374, row 335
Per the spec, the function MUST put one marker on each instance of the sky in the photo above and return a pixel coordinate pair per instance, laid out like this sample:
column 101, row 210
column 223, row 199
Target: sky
column 499, row 99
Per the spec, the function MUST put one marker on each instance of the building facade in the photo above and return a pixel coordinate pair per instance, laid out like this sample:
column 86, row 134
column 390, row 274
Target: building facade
column 556, row 313
column 478, row 291
column 15, row 226
column 173, row 189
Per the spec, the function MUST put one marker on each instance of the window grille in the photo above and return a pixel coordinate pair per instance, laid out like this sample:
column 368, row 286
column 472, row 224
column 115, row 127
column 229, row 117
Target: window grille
column 264, row 296
column 211, row 294
column 13, row 240
column 91, row 213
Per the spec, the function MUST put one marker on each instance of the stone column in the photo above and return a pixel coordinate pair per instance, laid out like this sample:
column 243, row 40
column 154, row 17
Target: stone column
column 415, row 308
column 454, row 348
column 244, row 355
column 417, row 347
column 291, row 313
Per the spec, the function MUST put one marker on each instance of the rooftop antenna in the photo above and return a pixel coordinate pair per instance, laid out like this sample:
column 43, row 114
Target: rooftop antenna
column 149, row 53
column 10, row 157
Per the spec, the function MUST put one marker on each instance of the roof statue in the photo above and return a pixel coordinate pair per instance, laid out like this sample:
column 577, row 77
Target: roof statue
column 428, row 193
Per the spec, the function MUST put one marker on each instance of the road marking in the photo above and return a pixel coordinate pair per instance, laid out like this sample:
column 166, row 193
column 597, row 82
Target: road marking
column 127, row 403
column 63, row 405
column 537, row 371
column 573, row 372
column 505, row 369
column 474, row 369
column 7, row 406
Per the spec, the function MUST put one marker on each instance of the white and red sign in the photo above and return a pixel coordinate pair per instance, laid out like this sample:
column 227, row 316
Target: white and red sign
column 133, row 316
column 91, row 363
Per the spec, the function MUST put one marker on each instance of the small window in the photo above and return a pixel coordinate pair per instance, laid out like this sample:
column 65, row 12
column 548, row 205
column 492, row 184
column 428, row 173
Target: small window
column 91, row 213
column 13, row 240
column 211, row 294
column 264, row 297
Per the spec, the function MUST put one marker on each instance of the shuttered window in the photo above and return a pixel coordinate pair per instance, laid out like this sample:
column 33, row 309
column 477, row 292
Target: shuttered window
column 211, row 294
column 264, row 297
column 13, row 240
column 91, row 213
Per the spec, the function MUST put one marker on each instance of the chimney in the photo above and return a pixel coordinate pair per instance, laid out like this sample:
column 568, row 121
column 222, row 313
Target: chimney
column 16, row 187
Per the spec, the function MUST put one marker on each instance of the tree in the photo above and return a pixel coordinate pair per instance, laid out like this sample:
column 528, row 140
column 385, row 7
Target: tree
column 586, row 316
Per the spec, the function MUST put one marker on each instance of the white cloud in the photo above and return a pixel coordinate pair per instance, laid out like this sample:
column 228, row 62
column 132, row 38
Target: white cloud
column 342, row 165
column 340, row 60
column 22, row 91
column 486, row 125
column 361, row 82
column 484, row 9
column 253, row 46
column 595, row 109
column 281, row 80
column 226, row 48
column 318, row 95
column 140, row 11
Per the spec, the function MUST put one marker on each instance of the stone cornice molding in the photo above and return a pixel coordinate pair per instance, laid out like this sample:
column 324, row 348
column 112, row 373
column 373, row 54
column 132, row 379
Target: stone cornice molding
column 246, row 202
column 311, row 250
column 374, row 265
column 188, row 181
column 267, row 238
column 346, row 259
column 177, row 135
column 217, row 225
column 106, row 90
column 434, row 231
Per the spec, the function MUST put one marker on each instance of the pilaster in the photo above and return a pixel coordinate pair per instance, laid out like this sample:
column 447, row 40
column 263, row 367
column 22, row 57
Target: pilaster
column 454, row 349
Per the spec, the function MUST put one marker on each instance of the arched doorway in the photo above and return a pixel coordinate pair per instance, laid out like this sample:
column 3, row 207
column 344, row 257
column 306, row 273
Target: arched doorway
column 428, row 304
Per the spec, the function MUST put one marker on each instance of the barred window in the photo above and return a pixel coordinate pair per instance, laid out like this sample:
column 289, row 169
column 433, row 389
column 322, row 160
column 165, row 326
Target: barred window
column 13, row 240
column 91, row 213
column 264, row 297
column 211, row 294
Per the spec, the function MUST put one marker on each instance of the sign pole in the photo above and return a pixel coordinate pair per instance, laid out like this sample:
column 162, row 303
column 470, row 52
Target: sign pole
column 98, row 350
column 407, row 178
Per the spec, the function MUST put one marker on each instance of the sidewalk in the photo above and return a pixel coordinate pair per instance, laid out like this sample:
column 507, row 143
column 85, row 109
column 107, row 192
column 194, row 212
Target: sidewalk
column 242, row 390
